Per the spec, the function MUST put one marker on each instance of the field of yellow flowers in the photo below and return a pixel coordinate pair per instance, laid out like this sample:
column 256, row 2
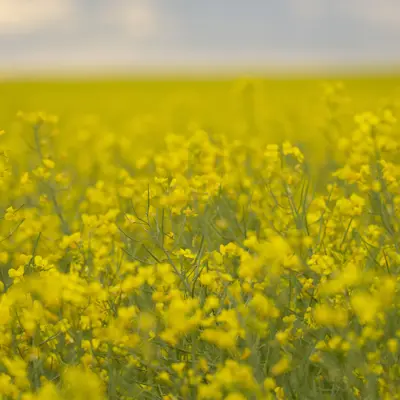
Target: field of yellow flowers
column 200, row 240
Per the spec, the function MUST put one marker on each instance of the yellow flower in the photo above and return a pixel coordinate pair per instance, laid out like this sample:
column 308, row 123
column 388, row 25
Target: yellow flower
column 269, row 384
column 7, row 387
column 11, row 214
column 4, row 257
column 212, row 302
column 50, row 164
column 246, row 354
column 393, row 345
column 164, row 377
column 82, row 384
column 16, row 367
column 16, row 273
column 48, row 391
column 281, row 367
column 178, row 367
column 365, row 307
column 235, row 396
column 328, row 316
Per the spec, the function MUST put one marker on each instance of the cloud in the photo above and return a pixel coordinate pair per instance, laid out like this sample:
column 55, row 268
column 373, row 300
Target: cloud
column 138, row 19
column 25, row 16
column 132, row 33
column 385, row 14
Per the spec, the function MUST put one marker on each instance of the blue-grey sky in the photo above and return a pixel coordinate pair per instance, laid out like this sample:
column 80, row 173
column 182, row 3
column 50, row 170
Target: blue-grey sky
column 109, row 34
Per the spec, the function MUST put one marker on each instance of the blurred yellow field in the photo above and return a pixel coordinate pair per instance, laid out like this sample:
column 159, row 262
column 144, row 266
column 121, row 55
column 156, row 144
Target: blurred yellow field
column 216, row 239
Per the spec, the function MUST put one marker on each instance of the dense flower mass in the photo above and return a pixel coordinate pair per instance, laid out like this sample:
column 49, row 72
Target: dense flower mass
column 208, row 266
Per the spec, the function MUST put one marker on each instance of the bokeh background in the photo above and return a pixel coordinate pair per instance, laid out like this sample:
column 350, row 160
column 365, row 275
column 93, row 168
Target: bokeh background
column 257, row 68
column 105, row 36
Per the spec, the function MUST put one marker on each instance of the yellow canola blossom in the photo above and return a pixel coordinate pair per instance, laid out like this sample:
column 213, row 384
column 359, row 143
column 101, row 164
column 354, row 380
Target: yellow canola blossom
column 216, row 247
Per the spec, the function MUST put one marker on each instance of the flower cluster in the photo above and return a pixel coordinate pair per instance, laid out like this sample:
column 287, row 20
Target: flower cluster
column 211, row 267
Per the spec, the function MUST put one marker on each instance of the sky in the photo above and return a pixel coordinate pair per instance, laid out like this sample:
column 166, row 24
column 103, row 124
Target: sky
column 173, row 34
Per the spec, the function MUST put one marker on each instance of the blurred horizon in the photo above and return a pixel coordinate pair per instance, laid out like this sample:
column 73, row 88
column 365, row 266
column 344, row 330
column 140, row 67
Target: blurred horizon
column 158, row 36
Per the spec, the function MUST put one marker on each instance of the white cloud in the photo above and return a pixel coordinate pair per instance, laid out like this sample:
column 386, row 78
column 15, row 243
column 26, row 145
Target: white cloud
column 385, row 13
column 25, row 16
column 138, row 19
column 377, row 13
column 125, row 33
column 380, row 14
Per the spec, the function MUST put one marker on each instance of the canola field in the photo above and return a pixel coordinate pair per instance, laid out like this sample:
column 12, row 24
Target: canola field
column 216, row 239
